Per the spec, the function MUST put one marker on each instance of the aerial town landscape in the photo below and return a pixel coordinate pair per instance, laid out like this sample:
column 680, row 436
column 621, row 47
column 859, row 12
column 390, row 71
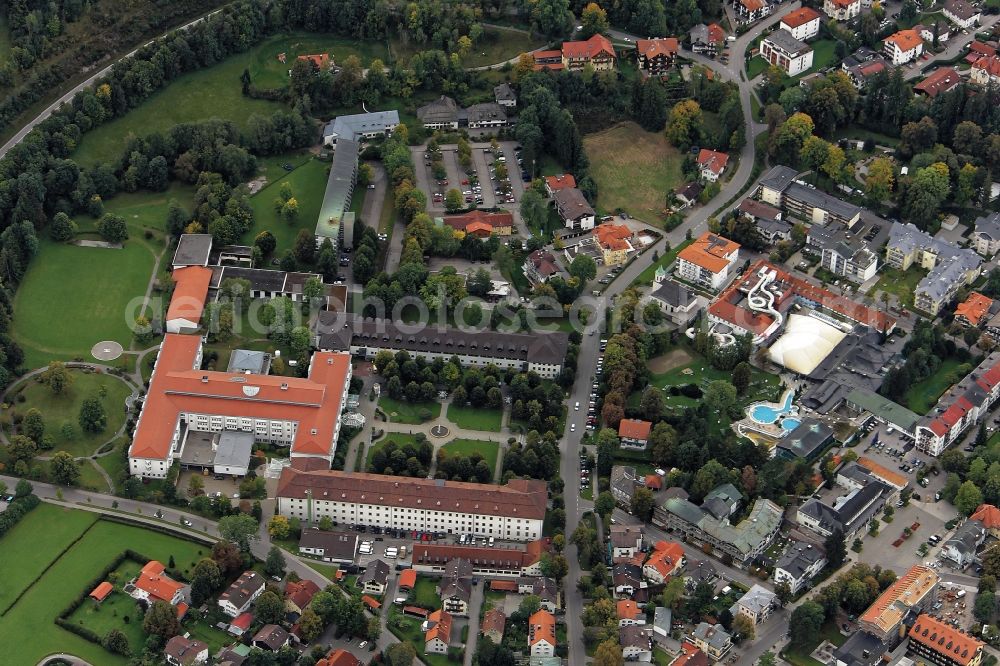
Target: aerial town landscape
column 499, row 332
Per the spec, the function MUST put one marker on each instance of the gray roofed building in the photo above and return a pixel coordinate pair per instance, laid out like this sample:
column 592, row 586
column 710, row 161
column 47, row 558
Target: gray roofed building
column 844, row 253
column 572, row 205
column 861, row 649
column 986, row 234
column 248, row 360
column 192, row 250
column 798, row 564
column 635, row 642
column 375, row 577
column 676, row 300
column 962, row 546
column 335, row 217
column 802, row 200
column 458, row 568
column 487, row 114
column 270, row 637
column 850, row 514
column 699, row 571
column 264, row 283
column 338, row 547
column 623, row 484
column 355, row 127
column 806, row 441
column 778, row 178
column 952, row 267
column 232, row 455
column 662, row 622
column 441, row 113
column 883, row 409
column 756, row 604
column 787, row 42
column 712, row 639
column 626, row 578
column 504, row 95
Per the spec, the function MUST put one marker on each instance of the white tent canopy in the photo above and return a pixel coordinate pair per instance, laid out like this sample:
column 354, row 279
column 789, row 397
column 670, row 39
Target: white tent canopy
column 804, row 344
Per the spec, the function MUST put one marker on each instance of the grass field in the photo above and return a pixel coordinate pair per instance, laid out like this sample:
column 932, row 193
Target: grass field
column 399, row 411
column 266, row 71
column 111, row 613
column 215, row 92
column 634, row 169
column 466, row 447
column 65, row 408
column 407, row 629
column 144, row 210
column 99, row 543
column 923, row 395
column 308, row 184
column 471, row 418
column 824, row 55
column 899, row 283
column 496, row 45
column 424, row 593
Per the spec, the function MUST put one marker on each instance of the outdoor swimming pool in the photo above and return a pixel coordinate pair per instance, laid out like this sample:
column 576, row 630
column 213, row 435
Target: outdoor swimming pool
column 767, row 413
column 790, row 424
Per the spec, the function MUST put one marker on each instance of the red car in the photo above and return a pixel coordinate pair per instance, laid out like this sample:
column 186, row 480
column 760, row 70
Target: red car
column 465, row 181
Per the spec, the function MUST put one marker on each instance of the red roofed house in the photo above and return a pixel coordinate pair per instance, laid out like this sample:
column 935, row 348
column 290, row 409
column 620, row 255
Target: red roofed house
column 939, row 643
column 656, row 56
column 751, row 10
column 708, row 260
column 903, row 46
column 321, row 60
column 494, row 623
column 564, row 181
column 542, row 634
column 548, row 59
column 596, row 51
column 539, row 266
column 962, row 407
column 482, row 224
column 986, row 70
column 974, row 310
column 613, row 239
column 303, row 413
column 240, row 624
column 653, row 481
column 407, row 580
column 689, row 656
column 372, row 603
column 989, row 516
column 101, row 592
column 339, row 657
column 188, row 300
column 711, row 164
column 437, row 633
column 634, row 433
column 842, row 10
column 665, row 562
column 940, row 81
column 802, row 23
column 629, row 613
column 298, row 595
column 152, row 584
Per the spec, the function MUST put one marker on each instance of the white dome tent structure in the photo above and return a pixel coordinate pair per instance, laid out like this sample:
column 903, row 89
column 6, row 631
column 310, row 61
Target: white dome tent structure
column 805, row 342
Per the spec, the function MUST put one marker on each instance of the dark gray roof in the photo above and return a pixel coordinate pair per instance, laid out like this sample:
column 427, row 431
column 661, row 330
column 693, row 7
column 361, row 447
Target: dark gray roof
column 335, row 545
column 861, row 649
column 243, row 588
column 458, row 568
column 486, row 112
column 248, row 360
column 626, row 573
column 354, row 126
column 376, row 572
column 778, row 178
column 967, row 538
column 850, row 514
column 760, row 210
column 235, row 448
column 193, row 250
column 634, row 636
column 987, row 225
column 787, row 43
column 674, row 294
column 698, row 571
column 504, row 92
column 806, row 440
column 546, row 348
column 456, row 588
column 571, row 203
column 442, row 110
column 819, row 199
column 261, row 279
column 799, row 557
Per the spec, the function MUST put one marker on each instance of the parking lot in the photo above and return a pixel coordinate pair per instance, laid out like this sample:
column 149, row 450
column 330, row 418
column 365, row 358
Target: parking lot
column 478, row 182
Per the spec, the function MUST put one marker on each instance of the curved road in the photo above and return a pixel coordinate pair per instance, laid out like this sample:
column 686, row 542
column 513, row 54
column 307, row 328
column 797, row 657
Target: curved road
column 24, row 131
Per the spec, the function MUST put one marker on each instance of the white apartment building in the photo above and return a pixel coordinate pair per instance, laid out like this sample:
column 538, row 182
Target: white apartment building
column 903, row 46
column 790, row 55
column 803, row 24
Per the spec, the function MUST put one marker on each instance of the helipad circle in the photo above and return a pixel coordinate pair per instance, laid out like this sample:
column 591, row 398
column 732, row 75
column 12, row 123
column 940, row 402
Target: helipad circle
column 108, row 350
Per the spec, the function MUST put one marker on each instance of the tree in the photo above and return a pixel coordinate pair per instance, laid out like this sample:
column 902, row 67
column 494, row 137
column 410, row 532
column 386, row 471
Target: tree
column 806, row 623
column 453, row 200
column 652, row 404
column 583, row 268
column 112, row 228
column 594, row 21
column 720, row 396
column 684, row 125
column 278, row 527
column 554, row 566
column 57, row 377
column 33, row 426
column 767, row 659
column 275, row 563
column 783, row 592
column 534, row 209
column 239, row 530
column 62, row 228
column 836, row 549
column 310, row 625
column 266, row 241
column 161, row 621
column 21, row 449
column 207, row 578
column 64, row 468
column 609, row 653
column 604, row 504
column 879, row 181
column 968, row 499
column 304, row 249
column 92, row 416
column 744, row 627
column 269, row 607
column 116, row 642
column 642, row 503
column 985, row 606
column 400, row 654
column 742, row 376
column 551, row 17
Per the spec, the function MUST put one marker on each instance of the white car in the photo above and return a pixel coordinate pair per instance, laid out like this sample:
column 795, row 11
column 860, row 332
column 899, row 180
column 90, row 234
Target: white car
column 363, row 644
column 572, row 427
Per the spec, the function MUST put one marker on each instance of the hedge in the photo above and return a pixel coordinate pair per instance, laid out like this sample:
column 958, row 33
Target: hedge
column 127, row 554
column 17, row 510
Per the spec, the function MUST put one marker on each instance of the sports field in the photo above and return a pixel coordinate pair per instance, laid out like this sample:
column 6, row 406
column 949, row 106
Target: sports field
column 634, row 169
column 74, row 548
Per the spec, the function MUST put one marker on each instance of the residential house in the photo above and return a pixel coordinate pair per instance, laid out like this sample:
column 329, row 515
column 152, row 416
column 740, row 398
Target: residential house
column 949, row 267
column 688, row 193
column 298, row 595
column 656, row 56
column 624, row 481
column 986, row 235
column 798, row 565
column 339, row 657
column 756, row 605
column 961, row 548
column 699, row 571
column 903, row 46
column 540, row 266
column 843, row 253
column 437, row 632
column 850, row 514
column 152, row 584
column 708, row 260
column 271, row 638
column 662, row 623
column 549, row 59
column 712, row 639
column 598, row 52
column 613, row 242
column 542, row 634
column 860, row 74
column 442, row 113
column 665, row 562
column 790, row 55
column 488, row 115
column 322, row 61
column 803, row 23
column 629, row 613
column 961, row 407
column 455, row 587
column 498, row 561
column 842, row 10
column 711, row 164
column 337, row 547
column 634, row 433
column 244, row 590
column 963, row 14
column 936, row 642
column 864, row 649
column 748, row 11
column 768, row 220
column 573, row 208
column 241, row 624
column 625, row 542
column 912, row 593
column 677, row 301
column 974, row 310
column 375, row 578
column 181, row 651
column 564, row 181
column 690, row 655
column 505, row 96
column 707, row 39
column 986, row 70
column 481, row 223
column 636, row 643
column 989, row 516
column 941, row 80
column 547, row 591
column 493, row 624
column 626, row 579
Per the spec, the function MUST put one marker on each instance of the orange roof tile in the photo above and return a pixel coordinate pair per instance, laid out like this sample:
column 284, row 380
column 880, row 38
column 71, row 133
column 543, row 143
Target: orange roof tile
column 844, row 3
column 542, row 627
column 905, row 40
column 628, row 609
column 588, row 49
column 493, row 620
column 709, row 252
column 102, row 591
column 176, row 388
column 157, row 584
column 182, row 609
column 958, row 646
column 441, row 629
column 653, row 481
column 752, row 5
column 613, row 236
column 666, row 558
column 634, row 429
column 188, row 299
column 989, row 64
column 713, row 160
column 800, row 17
column 321, row 60
column 339, row 657
column 988, row 515
column 909, row 589
column 371, row 602
column 884, row 472
column 715, row 35
column 689, row 656
column 462, row 222
column 941, row 80
column 561, row 182
column 503, row 585
column 408, row 579
column 651, row 48
column 974, row 308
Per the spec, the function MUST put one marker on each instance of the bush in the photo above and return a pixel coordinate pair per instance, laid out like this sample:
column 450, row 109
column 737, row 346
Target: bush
column 690, row 391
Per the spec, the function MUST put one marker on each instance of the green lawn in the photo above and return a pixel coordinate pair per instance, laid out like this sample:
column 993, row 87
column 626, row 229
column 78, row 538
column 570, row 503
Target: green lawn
column 113, row 611
column 800, row 656
column 65, row 408
column 215, row 92
column 471, row 418
column 466, row 447
column 266, row 71
column 923, row 395
column 630, row 179
column 54, row 322
column 400, row 438
column 308, row 183
column 399, row 411
column 899, row 283
column 34, row 614
column 646, row 277
column 407, row 629
column 425, row 594
column 91, row 479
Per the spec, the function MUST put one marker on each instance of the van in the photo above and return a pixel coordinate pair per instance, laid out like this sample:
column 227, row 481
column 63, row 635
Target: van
column 491, row 542
column 402, row 551
column 462, row 539
column 577, row 407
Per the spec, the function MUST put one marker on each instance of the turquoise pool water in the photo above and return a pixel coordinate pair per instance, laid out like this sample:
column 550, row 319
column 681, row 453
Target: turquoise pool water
column 790, row 424
column 767, row 414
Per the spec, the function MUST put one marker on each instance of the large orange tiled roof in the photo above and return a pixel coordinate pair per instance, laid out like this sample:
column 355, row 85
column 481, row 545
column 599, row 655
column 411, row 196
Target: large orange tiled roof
column 613, row 236
column 542, row 627
column 589, row 48
column 176, row 387
column 190, row 292
column 988, row 515
column 800, row 17
column 564, row 181
column 890, row 606
column 974, row 308
column 905, row 40
column 156, row 583
column 651, row 48
column 958, row 646
column 634, row 429
column 883, row 472
column 709, row 252
column 666, row 557
column 628, row 609
column 441, row 628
